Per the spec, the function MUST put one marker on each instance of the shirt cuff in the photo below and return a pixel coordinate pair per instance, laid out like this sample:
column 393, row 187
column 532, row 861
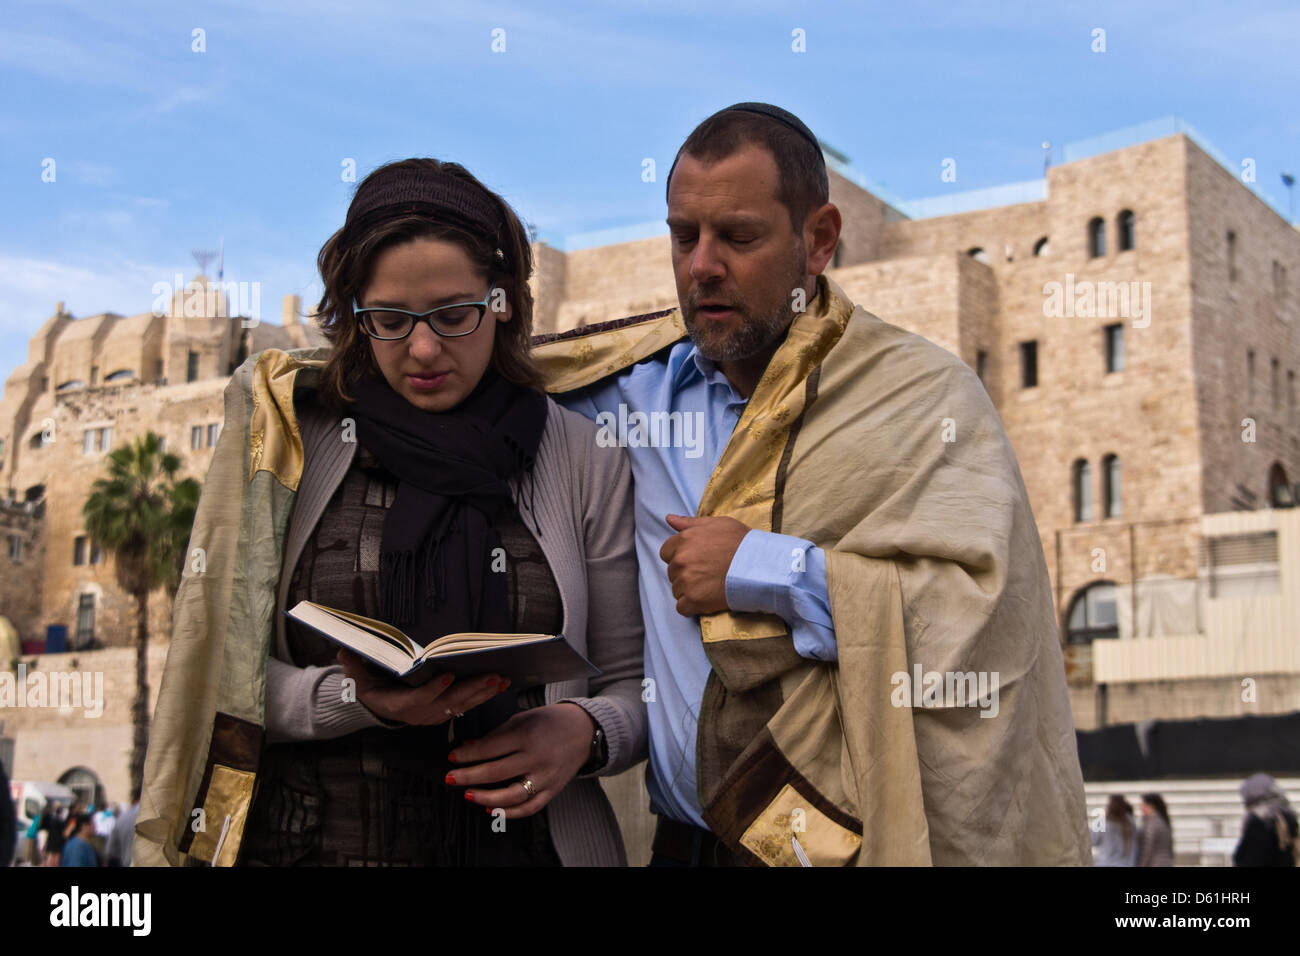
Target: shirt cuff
column 785, row 575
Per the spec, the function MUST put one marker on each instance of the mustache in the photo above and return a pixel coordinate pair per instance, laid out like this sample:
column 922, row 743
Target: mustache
column 696, row 296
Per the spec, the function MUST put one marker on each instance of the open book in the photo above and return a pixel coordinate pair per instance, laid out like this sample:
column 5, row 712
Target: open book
column 526, row 659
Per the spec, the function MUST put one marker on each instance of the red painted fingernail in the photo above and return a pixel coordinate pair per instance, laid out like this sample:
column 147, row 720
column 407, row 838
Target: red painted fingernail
column 451, row 779
column 469, row 795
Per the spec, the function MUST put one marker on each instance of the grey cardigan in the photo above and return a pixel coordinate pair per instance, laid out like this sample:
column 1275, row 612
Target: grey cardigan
column 583, row 502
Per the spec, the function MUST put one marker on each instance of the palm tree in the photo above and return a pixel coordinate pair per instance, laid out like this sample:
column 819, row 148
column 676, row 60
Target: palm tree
column 143, row 515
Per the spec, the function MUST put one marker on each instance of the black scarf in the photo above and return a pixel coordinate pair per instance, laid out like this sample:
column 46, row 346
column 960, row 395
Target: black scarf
column 452, row 467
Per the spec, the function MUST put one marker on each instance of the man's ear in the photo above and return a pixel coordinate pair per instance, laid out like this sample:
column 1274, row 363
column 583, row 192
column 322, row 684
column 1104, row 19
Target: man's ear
column 822, row 237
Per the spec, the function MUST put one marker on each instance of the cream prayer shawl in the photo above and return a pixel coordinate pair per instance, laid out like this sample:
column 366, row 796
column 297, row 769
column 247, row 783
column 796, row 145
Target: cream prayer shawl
column 208, row 725
column 884, row 450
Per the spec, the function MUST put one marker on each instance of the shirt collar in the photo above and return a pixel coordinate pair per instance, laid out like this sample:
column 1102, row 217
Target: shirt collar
column 695, row 366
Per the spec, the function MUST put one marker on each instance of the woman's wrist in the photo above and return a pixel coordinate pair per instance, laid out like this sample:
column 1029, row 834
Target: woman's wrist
column 597, row 750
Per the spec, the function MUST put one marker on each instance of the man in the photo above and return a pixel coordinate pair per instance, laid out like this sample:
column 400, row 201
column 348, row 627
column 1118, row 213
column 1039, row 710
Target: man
column 78, row 851
column 827, row 510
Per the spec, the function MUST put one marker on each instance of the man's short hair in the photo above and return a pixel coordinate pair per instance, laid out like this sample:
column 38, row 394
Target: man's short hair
column 802, row 185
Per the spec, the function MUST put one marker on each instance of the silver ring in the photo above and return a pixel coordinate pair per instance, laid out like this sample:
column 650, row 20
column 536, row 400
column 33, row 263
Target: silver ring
column 528, row 787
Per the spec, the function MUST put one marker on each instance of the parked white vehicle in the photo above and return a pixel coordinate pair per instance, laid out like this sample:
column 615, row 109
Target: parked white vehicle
column 30, row 800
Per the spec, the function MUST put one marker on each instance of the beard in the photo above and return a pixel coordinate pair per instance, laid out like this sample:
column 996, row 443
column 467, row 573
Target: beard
column 760, row 325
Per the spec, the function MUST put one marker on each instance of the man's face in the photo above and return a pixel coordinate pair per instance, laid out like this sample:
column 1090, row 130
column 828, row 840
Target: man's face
column 736, row 256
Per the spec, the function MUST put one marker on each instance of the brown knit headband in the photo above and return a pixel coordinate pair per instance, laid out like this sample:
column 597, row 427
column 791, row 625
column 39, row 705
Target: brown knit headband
column 424, row 192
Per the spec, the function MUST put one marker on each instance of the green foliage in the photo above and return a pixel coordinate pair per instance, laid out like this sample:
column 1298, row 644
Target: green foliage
column 143, row 514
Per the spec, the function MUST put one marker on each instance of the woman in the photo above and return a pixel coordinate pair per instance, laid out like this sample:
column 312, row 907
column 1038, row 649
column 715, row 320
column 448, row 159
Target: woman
column 1156, row 840
column 437, row 488
column 1117, row 843
column 1269, row 830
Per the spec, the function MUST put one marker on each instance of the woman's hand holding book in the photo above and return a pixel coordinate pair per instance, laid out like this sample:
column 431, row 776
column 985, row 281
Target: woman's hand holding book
column 435, row 702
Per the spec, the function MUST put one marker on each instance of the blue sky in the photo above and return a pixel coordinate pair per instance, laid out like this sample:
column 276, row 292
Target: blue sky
column 160, row 150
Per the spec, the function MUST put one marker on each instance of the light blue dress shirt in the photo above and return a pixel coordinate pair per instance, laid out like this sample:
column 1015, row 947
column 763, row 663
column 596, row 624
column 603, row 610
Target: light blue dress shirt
column 672, row 460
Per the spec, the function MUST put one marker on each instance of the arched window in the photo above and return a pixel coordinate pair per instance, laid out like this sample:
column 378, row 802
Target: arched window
column 1082, row 484
column 121, row 375
column 978, row 254
column 1094, row 614
column 1280, row 492
column 1042, row 247
column 1111, row 499
column 1124, row 227
column 84, row 782
column 1097, row 237
column 70, row 384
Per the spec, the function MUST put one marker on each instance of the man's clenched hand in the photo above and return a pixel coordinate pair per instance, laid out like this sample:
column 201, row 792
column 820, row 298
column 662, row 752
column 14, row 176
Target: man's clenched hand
column 698, row 557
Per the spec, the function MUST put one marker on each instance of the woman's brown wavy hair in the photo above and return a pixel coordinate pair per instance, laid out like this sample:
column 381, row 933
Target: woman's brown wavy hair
column 345, row 272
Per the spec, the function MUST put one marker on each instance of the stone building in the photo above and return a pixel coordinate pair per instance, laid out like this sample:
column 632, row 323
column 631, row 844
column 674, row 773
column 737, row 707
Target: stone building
column 1134, row 316
column 88, row 386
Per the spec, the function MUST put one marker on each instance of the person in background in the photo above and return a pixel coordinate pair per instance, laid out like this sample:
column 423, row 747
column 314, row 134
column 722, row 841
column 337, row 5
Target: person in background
column 78, row 851
column 9, row 819
column 104, row 819
column 52, row 822
column 120, row 840
column 1268, row 833
column 34, row 848
column 1117, row 843
column 1156, row 841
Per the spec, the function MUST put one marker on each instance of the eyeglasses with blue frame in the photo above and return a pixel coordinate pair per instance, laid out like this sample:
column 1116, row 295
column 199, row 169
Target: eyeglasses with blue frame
column 448, row 321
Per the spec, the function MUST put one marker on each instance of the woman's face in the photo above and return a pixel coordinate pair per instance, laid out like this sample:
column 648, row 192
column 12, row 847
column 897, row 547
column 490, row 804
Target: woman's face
column 429, row 371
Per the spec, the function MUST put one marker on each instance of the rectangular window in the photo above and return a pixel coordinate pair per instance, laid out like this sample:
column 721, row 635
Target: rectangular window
column 1250, row 375
column 1115, row 347
column 192, row 367
column 1232, row 257
column 94, row 375
column 196, row 437
column 1275, row 384
column 96, row 553
column 15, row 548
column 981, row 365
column 79, row 549
column 1240, row 565
column 213, row 431
column 89, row 441
column 106, row 438
column 85, row 620
column 158, row 370
column 1029, row 364
column 162, row 443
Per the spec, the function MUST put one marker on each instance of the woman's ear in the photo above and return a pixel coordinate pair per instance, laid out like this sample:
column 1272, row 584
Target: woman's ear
column 499, row 305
